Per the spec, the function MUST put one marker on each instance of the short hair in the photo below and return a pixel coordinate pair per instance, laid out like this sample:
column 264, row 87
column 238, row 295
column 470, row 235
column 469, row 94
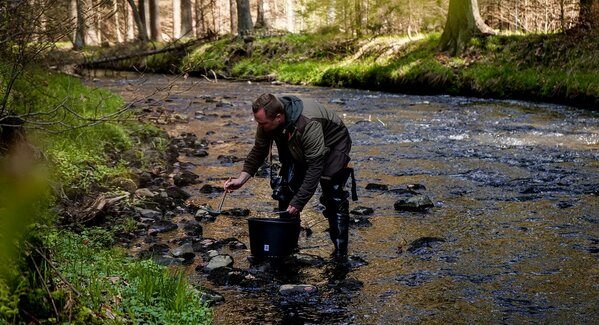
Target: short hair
column 271, row 105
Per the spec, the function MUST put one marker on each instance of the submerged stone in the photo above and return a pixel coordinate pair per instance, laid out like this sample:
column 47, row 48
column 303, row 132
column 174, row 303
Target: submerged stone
column 297, row 289
column 422, row 243
column 362, row 211
column 208, row 189
column 236, row 212
column 377, row 187
column 418, row 203
column 226, row 276
column 305, row 260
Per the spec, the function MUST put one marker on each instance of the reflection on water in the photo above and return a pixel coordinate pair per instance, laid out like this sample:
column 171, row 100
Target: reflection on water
column 515, row 187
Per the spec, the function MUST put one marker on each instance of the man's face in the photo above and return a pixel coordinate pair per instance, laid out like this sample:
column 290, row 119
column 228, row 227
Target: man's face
column 266, row 123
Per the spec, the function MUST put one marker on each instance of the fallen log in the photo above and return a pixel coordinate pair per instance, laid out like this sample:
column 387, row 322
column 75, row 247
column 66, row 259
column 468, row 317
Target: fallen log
column 173, row 47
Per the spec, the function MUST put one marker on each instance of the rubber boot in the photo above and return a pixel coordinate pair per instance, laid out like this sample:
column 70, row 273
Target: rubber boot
column 334, row 198
column 339, row 229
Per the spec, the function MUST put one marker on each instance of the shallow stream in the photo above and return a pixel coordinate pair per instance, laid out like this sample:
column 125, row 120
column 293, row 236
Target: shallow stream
column 515, row 222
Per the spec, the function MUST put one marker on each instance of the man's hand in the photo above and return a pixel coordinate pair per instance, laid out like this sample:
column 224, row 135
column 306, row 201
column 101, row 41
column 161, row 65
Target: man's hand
column 232, row 184
column 292, row 210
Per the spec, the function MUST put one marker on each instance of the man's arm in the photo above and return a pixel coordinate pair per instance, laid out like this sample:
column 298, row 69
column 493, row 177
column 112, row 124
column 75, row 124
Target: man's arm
column 233, row 184
column 254, row 160
column 259, row 151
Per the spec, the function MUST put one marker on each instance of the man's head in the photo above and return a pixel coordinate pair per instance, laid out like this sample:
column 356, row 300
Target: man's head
column 268, row 112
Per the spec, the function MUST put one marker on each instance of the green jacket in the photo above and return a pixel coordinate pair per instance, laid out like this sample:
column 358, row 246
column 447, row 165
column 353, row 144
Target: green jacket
column 314, row 138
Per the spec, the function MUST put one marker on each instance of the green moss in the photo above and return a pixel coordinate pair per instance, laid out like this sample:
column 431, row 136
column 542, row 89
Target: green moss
column 552, row 67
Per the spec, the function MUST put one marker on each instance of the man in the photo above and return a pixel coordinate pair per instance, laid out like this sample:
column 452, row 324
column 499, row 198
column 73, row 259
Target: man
column 313, row 145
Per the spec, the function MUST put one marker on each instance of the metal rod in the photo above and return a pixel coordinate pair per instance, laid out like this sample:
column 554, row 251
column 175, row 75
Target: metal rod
column 220, row 206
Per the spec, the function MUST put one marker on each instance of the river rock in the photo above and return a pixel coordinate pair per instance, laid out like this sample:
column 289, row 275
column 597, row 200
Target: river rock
column 205, row 245
column 228, row 160
column 161, row 226
column 362, row 211
column 211, row 297
column 226, row 276
column 415, row 203
column 154, row 250
column 185, row 178
column 149, row 214
column 236, row 245
column 422, row 243
column 177, row 193
column 124, row 183
column 168, row 260
column 184, row 251
column 359, row 221
column 144, row 193
column 193, row 228
column 416, row 187
column 355, row 261
column 377, row 187
column 145, row 179
column 297, row 289
column 224, row 103
column 198, row 153
column 203, row 214
column 218, row 261
column 236, row 212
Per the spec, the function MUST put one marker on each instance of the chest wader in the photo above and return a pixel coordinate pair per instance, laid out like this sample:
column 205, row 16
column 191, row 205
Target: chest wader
column 290, row 178
column 285, row 186
column 335, row 200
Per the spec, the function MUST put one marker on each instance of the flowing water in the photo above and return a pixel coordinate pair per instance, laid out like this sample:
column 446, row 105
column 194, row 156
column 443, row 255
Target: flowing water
column 515, row 188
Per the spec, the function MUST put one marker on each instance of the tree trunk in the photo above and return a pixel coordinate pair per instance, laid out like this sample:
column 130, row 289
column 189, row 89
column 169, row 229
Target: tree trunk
column 200, row 18
column 155, row 32
column 186, row 19
column 358, row 17
column 130, row 23
column 79, row 36
column 233, row 15
column 144, row 14
column 141, row 27
column 589, row 14
column 176, row 19
column 463, row 22
column 244, row 17
column 89, row 13
column 331, row 13
column 117, row 22
column 260, row 17
column 290, row 9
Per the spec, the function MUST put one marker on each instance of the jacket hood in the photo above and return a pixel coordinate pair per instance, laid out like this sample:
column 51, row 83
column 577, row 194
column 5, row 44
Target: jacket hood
column 293, row 107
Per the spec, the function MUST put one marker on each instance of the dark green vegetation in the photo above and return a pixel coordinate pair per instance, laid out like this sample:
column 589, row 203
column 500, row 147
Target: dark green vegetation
column 54, row 267
column 558, row 68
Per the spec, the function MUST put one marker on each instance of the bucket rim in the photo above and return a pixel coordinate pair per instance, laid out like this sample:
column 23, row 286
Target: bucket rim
column 273, row 220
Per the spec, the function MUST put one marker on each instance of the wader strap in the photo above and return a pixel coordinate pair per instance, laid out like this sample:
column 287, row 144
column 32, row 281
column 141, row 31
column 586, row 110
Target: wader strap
column 354, row 193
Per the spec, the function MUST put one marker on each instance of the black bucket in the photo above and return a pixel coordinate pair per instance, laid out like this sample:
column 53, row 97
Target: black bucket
column 270, row 237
